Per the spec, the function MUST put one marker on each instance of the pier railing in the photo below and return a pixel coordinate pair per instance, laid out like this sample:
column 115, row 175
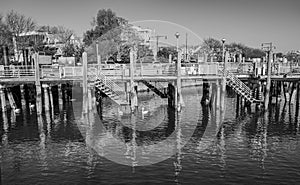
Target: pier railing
column 16, row 72
column 120, row 71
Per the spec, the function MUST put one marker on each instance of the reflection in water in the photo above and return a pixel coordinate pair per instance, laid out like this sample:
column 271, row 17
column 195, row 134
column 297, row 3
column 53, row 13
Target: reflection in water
column 250, row 148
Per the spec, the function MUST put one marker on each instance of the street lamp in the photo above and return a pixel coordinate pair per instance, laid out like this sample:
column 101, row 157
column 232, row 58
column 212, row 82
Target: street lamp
column 223, row 50
column 177, row 37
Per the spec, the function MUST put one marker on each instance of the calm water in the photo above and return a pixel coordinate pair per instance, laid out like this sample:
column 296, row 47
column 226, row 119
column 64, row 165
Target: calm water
column 57, row 147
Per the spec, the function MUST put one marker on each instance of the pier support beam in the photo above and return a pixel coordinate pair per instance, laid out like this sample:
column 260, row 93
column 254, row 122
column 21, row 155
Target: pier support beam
column 11, row 100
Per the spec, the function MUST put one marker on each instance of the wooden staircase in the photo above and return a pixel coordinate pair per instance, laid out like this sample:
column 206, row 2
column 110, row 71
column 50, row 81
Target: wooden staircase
column 111, row 89
column 239, row 87
column 154, row 89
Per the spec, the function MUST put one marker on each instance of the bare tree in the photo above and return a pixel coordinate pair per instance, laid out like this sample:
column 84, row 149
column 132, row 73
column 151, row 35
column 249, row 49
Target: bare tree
column 17, row 23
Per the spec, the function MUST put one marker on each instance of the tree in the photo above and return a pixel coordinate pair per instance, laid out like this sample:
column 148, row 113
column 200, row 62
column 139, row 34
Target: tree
column 17, row 23
column 166, row 51
column 105, row 20
column 117, row 40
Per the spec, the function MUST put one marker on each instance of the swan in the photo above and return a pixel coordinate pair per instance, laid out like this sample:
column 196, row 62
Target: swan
column 31, row 106
column 144, row 111
column 17, row 110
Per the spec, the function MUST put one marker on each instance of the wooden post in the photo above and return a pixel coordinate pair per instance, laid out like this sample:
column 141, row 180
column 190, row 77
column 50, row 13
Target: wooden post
column 98, row 57
column 5, row 55
column 297, row 101
column 3, row 99
column 133, row 95
column 59, row 91
column 23, row 99
column 218, row 93
column 267, row 95
column 205, row 95
column 238, row 102
column 90, row 100
column 224, row 78
column 84, row 86
column 51, row 98
column 179, row 102
column 38, row 85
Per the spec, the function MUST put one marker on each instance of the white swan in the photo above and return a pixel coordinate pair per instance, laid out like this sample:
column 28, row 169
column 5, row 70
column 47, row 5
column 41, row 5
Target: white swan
column 17, row 110
column 144, row 111
column 31, row 106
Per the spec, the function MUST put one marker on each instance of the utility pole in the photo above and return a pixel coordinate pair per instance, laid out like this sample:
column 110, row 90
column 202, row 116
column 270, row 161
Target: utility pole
column 157, row 37
column 268, row 47
column 186, row 47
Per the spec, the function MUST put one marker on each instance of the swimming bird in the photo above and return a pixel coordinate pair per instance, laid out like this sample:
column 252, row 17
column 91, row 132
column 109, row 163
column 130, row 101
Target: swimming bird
column 17, row 110
column 144, row 111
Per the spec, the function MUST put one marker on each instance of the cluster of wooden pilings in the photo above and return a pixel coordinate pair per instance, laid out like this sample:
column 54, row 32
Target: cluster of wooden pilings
column 34, row 97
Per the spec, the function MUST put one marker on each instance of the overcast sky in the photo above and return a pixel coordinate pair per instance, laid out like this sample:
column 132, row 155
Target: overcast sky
column 251, row 22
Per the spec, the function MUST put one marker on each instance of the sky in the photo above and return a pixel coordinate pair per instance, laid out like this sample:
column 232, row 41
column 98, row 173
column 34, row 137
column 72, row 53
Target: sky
column 251, row 22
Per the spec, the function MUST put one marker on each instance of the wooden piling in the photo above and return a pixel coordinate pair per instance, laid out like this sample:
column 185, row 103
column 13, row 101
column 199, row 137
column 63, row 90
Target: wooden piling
column 223, row 91
column 205, row 95
column 3, row 99
column 238, row 103
column 23, row 99
column 267, row 94
column 46, row 96
column 179, row 102
column 133, row 93
column 90, row 100
column 38, row 86
column 5, row 55
column 51, row 99
column 84, row 83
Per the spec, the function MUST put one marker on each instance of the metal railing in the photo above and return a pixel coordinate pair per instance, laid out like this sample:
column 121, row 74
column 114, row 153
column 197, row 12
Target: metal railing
column 16, row 72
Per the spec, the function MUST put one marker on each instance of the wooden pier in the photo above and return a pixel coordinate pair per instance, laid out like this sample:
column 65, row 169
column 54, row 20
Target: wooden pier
column 38, row 86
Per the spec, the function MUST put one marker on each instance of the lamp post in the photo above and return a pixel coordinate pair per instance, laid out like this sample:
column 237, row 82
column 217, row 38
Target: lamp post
column 177, row 37
column 157, row 49
column 223, row 48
